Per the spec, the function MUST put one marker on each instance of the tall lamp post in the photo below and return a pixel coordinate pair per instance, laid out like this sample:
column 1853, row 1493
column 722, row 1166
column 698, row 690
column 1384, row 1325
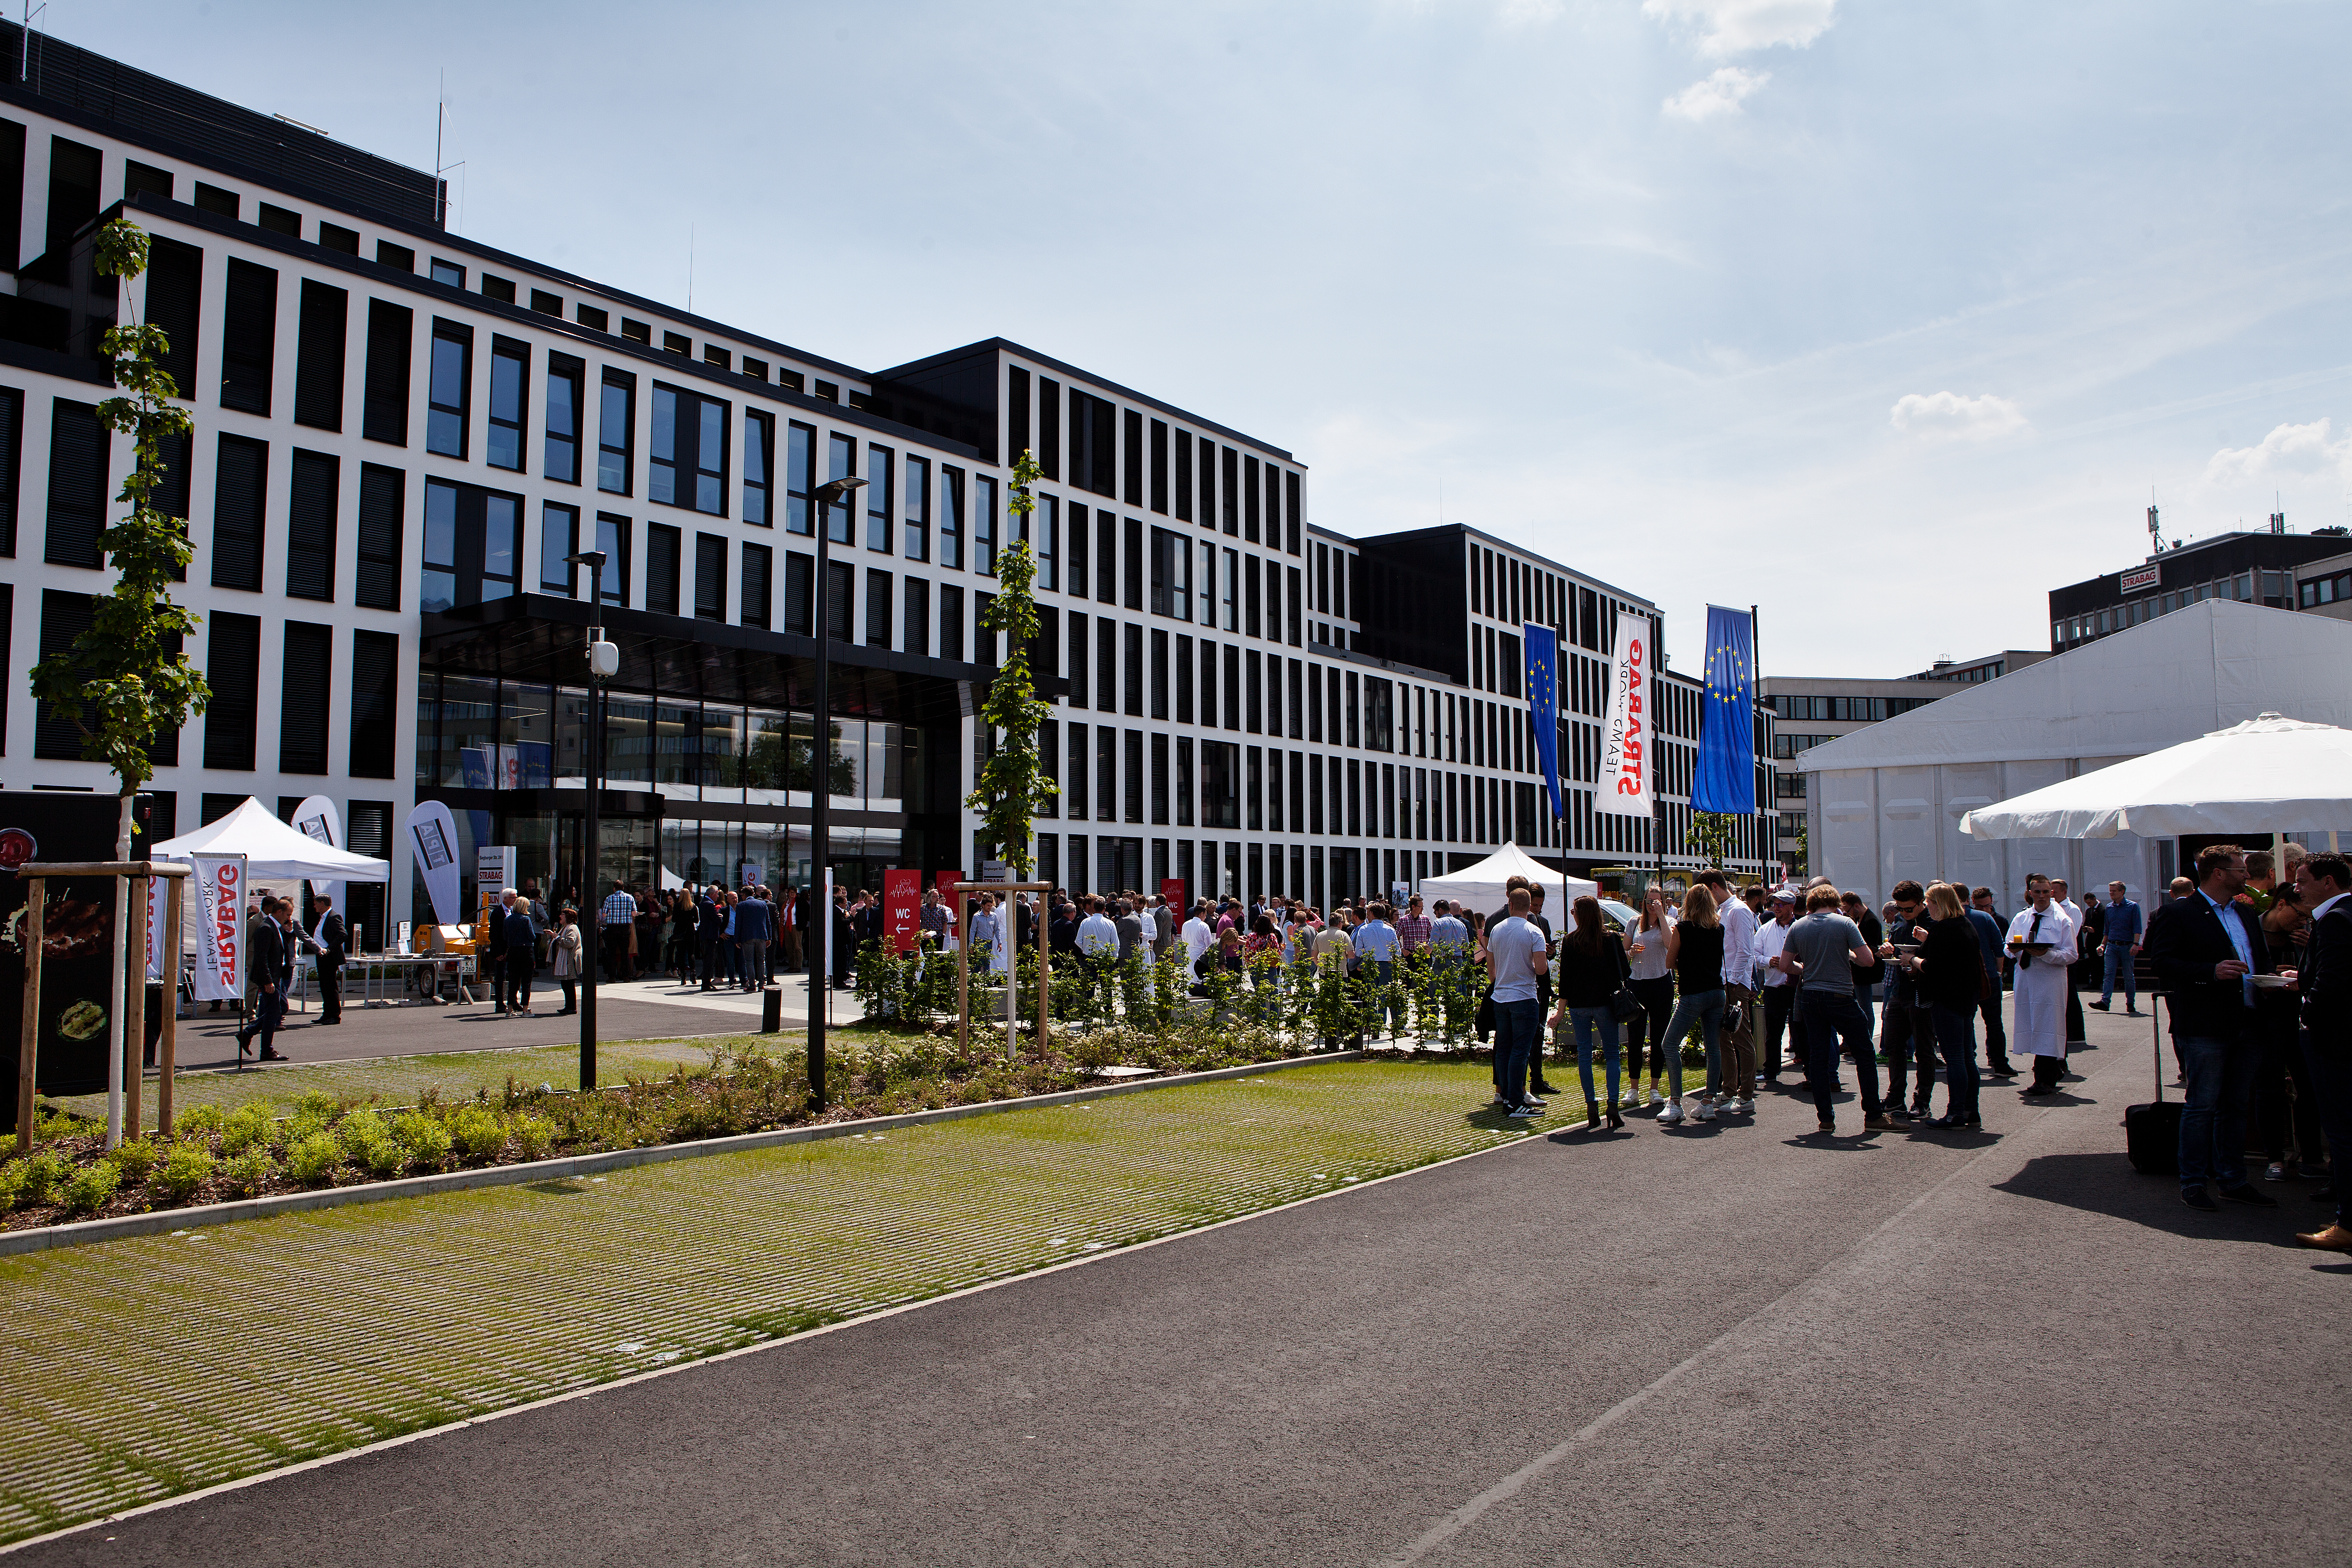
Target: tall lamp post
column 604, row 662
column 830, row 494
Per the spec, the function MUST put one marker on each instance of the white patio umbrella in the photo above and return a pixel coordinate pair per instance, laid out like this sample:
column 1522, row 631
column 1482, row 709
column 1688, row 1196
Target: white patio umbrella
column 2267, row 771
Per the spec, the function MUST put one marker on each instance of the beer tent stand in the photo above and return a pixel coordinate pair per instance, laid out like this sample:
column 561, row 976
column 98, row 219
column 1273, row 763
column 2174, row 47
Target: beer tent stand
column 34, row 875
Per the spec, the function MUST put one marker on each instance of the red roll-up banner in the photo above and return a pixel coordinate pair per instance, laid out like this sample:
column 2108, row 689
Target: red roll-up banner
column 902, row 898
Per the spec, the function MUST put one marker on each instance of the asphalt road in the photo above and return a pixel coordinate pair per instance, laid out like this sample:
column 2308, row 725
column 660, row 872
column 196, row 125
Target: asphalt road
column 1729, row 1345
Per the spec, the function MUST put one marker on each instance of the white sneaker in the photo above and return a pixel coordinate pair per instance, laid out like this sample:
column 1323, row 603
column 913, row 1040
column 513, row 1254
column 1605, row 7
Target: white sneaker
column 1704, row 1112
column 1747, row 1107
column 1670, row 1115
column 1656, row 1099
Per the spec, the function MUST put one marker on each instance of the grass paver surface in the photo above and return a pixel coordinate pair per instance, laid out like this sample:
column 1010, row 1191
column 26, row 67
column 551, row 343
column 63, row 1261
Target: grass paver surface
column 148, row 1367
column 398, row 1081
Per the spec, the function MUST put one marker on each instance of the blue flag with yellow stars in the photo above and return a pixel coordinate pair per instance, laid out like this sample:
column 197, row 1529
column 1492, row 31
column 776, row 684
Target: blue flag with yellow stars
column 1542, row 646
column 1726, row 731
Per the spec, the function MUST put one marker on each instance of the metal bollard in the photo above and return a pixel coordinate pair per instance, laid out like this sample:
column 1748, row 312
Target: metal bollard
column 771, row 1009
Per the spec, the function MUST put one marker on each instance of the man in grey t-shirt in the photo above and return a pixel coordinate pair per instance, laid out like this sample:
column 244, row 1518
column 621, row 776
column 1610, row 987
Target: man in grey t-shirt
column 1515, row 959
column 1823, row 947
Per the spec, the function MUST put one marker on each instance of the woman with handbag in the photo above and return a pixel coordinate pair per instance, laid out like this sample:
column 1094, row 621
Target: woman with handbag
column 1591, row 971
column 1948, row 971
column 1696, row 948
column 1653, row 982
column 566, row 948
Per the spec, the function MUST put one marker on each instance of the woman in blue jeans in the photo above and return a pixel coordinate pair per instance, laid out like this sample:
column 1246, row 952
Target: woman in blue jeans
column 1591, row 971
column 1653, row 982
column 1697, row 950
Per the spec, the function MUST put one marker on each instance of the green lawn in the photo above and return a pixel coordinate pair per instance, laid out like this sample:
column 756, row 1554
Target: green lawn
column 147, row 1367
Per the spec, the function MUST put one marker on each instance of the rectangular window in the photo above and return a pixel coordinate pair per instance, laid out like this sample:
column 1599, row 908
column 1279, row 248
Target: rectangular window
column 1249, row 499
column 1049, row 428
column 1081, row 551
column 1183, row 681
column 1133, row 640
column 710, row 577
column 311, row 526
column 1229, row 494
column 663, row 546
column 383, row 413
column 450, row 396
column 248, row 337
column 1159, row 780
column 1184, row 781
column 1314, row 703
column 1298, row 621
column 1208, row 585
column 950, row 517
column 1229, row 591
column 1256, row 700
column 1250, row 615
column 304, row 689
column 1379, row 720
column 1292, row 522
column 375, row 706
column 1297, row 727
column 1184, row 476
column 1159, row 674
column 984, row 526
column 1134, row 557
column 918, row 509
column 566, row 379
column 64, row 618
column 1105, row 664
column 612, row 537
column 1078, row 660
column 800, row 477
column 1352, row 709
column 1132, row 769
column 1254, row 790
column 471, row 545
column 1232, row 688
column 878, row 608
column 399, row 258
column 759, row 458
column 318, row 355
column 175, row 275
column 616, row 432
column 915, row 635
column 1016, row 414
column 1172, row 574
column 558, row 538
column 1107, row 556
column 80, row 454
column 1049, row 531
column 1074, row 787
column 951, row 622
column 1131, row 456
column 759, row 568
column 240, row 476
column 800, row 578
column 881, row 477
column 509, row 378
column 1208, row 684
column 1208, row 470
column 383, row 500
column 1159, row 466
column 688, row 465
column 841, row 463
column 1221, row 785
column 233, row 671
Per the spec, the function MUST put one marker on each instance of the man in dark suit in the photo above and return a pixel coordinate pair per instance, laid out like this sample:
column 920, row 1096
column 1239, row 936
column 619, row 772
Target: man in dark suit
column 2206, row 950
column 332, row 942
column 2322, row 882
column 268, row 958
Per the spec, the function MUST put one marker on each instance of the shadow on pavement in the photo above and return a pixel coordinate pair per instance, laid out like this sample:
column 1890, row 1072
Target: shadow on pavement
column 2106, row 1184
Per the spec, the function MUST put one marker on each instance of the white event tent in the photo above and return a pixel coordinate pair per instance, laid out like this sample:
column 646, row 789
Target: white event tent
column 273, row 849
column 2252, row 777
column 1481, row 886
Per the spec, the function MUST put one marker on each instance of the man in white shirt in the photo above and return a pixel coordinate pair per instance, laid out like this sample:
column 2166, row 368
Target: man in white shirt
column 1780, row 989
column 2059, row 896
column 1515, row 959
column 1738, row 977
column 1197, row 936
column 1098, row 934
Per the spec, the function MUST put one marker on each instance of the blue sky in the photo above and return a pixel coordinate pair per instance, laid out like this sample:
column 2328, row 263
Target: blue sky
column 1885, row 317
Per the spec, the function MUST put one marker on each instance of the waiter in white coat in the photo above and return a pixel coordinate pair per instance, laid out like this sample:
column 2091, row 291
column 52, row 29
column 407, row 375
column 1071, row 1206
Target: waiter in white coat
column 2039, row 1029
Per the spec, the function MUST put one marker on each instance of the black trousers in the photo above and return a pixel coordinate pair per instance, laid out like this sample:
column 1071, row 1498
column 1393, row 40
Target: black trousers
column 2074, row 1006
column 2284, row 1064
column 1996, row 1037
column 710, row 946
column 1780, row 1014
column 2048, row 1071
column 1657, row 1009
column 521, row 963
column 1908, row 1039
column 331, row 991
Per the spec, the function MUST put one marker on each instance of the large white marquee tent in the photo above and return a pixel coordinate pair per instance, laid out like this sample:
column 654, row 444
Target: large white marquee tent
column 1887, row 803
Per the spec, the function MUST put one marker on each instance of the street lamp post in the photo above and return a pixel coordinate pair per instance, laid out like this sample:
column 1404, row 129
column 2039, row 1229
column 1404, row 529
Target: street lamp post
column 604, row 660
column 830, row 494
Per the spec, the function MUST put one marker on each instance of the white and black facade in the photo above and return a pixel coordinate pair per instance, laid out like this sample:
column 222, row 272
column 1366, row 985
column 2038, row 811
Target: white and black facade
column 399, row 435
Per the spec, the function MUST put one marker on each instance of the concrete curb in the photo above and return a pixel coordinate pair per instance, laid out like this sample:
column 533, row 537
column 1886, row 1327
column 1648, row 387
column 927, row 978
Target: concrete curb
column 204, row 1216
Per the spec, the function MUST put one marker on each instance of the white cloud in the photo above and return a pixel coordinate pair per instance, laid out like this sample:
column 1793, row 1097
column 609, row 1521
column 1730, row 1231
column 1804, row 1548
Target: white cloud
column 1721, row 93
column 2289, row 449
column 1949, row 415
column 1730, row 28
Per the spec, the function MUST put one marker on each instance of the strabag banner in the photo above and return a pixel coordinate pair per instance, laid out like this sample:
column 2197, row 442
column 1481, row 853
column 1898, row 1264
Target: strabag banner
column 220, row 927
column 432, row 836
column 1625, row 742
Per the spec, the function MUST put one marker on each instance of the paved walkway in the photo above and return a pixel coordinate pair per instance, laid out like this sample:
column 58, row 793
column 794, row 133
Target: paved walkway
column 1730, row 1345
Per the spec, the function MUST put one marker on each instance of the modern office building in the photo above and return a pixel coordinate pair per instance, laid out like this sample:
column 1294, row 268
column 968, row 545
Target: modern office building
column 400, row 435
column 2251, row 568
column 1811, row 710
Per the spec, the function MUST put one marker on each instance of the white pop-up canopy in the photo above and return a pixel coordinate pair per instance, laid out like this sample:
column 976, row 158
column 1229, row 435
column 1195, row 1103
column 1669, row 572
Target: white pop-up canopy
column 1481, row 886
column 2266, row 772
column 271, row 848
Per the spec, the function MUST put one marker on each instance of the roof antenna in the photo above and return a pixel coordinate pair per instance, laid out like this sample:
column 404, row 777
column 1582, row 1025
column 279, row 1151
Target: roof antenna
column 25, row 44
column 440, row 119
column 2278, row 517
column 2155, row 530
column 689, row 270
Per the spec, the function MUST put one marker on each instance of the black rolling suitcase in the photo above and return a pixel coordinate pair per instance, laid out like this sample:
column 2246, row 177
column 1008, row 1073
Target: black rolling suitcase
column 2152, row 1132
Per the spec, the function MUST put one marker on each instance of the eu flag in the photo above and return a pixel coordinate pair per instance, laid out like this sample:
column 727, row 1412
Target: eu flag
column 1542, row 646
column 1726, row 731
